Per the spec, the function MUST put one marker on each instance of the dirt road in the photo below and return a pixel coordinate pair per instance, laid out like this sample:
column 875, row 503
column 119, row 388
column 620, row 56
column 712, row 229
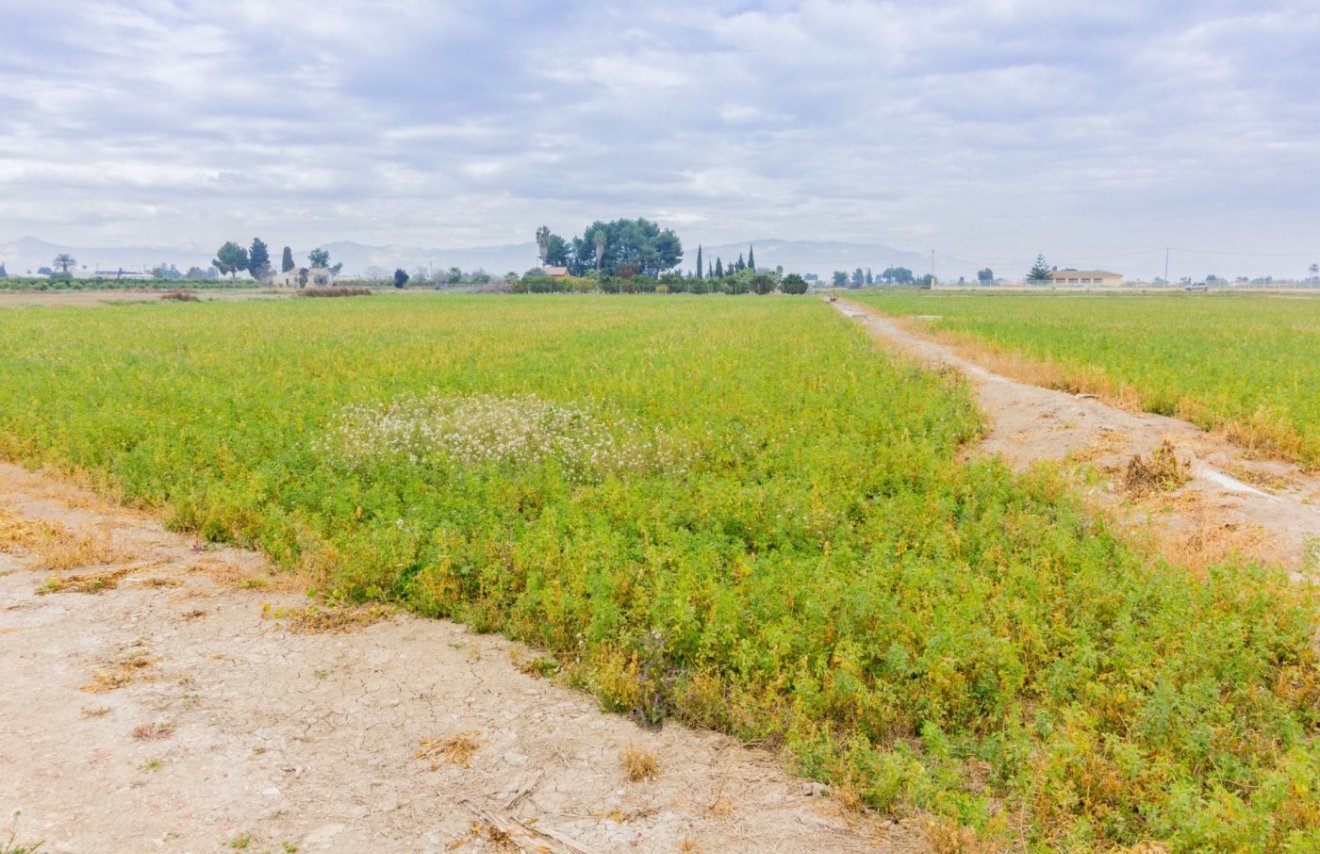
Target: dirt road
column 1264, row 509
column 154, row 699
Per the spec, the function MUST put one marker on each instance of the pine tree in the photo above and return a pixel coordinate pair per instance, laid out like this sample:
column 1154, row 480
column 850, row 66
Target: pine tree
column 719, row 268
column 698, row 260
column 751, row 259
column 742, row 265
column 258, row 259
column 1039, row 272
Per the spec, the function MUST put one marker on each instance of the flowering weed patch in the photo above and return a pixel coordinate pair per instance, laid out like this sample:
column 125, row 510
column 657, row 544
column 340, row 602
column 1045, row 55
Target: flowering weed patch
column 483, row 429
column 821, row 571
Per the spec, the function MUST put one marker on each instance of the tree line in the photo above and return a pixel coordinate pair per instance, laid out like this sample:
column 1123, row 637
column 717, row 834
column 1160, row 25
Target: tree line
column 637, row 256
column 232, row 259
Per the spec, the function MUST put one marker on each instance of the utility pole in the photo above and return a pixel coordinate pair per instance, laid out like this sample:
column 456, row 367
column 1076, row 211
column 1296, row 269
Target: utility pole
column 932, row 266
column 1166, row 265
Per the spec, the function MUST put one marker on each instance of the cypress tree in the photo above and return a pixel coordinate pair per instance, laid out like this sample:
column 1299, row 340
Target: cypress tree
column 751, row 259
column 719, row 268
column 286, row 263
column 710, row 270
column 698, row 260
column 742, row 265
column 259, row 259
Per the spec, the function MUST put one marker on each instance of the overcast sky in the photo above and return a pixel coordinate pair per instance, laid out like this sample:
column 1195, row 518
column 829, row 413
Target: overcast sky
column 996, row 129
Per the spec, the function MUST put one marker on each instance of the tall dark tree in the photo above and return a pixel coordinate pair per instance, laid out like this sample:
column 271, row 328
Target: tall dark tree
column 318, row 259
column 710, row 270
column 751, row 259
column 870, row 279
column 259, row 260
column 65, row 262
column 1039, row 273
column 986, row 276
column 286, row 263
column 556, row 251
column 400, row 277
column 231, row 258
column 4, row 274
column 741, row 265
column 719, row 268
column 699, row 270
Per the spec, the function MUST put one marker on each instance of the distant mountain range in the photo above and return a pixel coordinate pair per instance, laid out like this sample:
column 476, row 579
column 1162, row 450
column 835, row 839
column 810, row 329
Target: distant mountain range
column 802, row 256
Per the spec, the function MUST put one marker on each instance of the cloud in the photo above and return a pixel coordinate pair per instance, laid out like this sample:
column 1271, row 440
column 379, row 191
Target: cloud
column 1000, row 128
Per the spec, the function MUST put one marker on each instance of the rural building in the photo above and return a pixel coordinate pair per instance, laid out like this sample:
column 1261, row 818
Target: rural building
column 1085, row 278
column 302, row 276
column 556, row 272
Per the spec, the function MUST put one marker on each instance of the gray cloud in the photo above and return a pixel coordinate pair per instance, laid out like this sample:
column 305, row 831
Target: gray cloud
column 989, row 129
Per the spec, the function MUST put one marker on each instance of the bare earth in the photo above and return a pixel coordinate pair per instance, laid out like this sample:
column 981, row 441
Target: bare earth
column 171, row 708
column 1265, row 509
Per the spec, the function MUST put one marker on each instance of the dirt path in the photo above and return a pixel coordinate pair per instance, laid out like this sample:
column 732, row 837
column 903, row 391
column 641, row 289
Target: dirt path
column 1265, row 509
column 155, row 700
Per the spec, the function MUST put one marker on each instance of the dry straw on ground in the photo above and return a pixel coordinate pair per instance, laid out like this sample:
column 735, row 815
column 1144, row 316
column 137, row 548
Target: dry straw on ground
column 640, row 762
column 56, row 547
column 96, row 582
column 456, row 749
column 135, row 664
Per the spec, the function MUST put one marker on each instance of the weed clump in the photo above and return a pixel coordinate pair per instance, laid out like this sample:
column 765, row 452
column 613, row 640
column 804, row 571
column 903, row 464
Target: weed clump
column 640, row 762
column 1162, row 471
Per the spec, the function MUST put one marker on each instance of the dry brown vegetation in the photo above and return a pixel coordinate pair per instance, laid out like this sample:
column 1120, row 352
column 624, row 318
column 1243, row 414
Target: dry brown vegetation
column 1162, row 471
column 640, row 762
column 56, row 547
column 96, row 582
column 153, row 732
column 135, row 666
column 456, row 749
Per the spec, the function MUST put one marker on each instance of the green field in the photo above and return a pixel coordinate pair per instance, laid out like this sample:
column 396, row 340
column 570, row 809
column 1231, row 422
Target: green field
column 736, row 512
column 1247, row 364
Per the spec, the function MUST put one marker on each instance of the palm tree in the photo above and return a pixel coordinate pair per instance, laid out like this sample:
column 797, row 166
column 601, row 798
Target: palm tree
column 1315, row 270
column 543, row 242
column 65, row 262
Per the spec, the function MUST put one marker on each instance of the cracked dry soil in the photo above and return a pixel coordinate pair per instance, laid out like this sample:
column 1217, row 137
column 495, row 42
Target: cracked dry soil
column 152, row 701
